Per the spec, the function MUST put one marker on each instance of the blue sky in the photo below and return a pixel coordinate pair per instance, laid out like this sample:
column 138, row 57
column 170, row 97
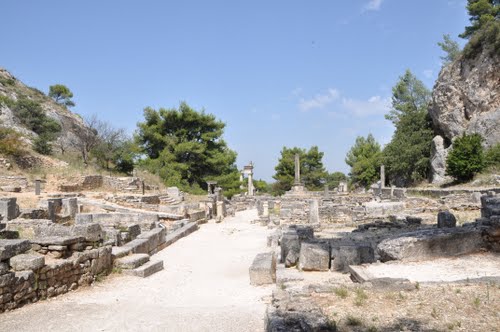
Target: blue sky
column 277, row 72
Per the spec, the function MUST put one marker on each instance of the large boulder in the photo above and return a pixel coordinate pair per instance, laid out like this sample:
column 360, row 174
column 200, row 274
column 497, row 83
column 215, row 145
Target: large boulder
column 431, row 243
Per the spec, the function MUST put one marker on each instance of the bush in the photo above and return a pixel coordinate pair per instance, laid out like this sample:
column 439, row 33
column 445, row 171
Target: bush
column 466, row 158
column 492, row 156
column 10, row 142
column 41, row 144
column 32, row 115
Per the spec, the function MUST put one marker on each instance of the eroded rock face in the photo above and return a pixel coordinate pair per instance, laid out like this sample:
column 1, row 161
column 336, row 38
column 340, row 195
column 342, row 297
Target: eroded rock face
column 466, row 99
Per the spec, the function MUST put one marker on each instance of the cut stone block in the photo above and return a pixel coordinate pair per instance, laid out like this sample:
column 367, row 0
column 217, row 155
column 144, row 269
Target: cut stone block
column 8, row 208
column 10, row 248
column 431, row 243
column 180, row 233
column 132, row 261
column 118, row 252
column 91, row 231
column 11, row 189
column 446, row 219
column 490, row 206
column 263, row 269
column 27, row 262
column 290, row 249
column 345, row 255
column 145, row 270
column 138, row 246
column 314, row 256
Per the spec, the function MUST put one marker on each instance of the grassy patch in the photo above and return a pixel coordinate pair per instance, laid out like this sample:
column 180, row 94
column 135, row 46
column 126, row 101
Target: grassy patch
column 341, row 292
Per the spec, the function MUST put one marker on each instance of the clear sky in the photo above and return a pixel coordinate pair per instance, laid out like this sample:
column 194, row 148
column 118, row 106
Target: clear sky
column 277, row 72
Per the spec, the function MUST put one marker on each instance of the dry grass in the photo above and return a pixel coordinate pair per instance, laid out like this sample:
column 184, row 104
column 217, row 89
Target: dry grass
column 450, row 307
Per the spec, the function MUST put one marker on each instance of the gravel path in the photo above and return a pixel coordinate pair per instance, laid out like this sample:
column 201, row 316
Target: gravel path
column 204, row 287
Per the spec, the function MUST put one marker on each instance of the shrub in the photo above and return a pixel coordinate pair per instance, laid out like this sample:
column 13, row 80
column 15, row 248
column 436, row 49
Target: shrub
column 492, row 155
column 41, row 144
column 466, row 158
column 10, row 142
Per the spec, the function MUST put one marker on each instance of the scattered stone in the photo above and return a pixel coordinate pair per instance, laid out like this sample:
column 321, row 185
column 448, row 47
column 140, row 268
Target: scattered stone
column 446, row 219
column 145, row 270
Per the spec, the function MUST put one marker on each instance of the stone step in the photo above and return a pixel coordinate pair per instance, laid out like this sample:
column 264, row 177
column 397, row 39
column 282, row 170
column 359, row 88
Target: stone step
column 131, row 261
column 145, row 270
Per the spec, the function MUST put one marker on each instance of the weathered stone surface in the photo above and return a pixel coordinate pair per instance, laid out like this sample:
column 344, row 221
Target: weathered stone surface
column 92, row 232
column 466, row 98
column 185, row 230
column 118, row 252
column 490, row 206
column 345, row 255
column 4, row 268
column 10, row 248
column 431, row 243
column 70, row 207
column 11, row 189
column 263, row 269
column 58, row 240
column 314, row 211
column 438, row 160
column 446, row 219
column 138, row 246
column 279, row 320
column 146, row 270
column 131, row 261
column 290, row 249
column 314, row 256
column 8, row 208
column 27, row 262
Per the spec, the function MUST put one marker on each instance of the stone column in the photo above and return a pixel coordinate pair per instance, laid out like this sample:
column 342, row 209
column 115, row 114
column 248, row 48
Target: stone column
column 382, row 176
column 265, row 209
column 297, row 169
column 37, row 187
column 250, row 184
column 314, row 211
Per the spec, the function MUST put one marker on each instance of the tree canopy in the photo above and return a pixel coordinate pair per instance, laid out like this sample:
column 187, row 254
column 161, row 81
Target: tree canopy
column 481, row 13
column 185, row 147
column 61, row 95
column 407, row 156
column 312, row 171
column 450, row 48
column 364, row 157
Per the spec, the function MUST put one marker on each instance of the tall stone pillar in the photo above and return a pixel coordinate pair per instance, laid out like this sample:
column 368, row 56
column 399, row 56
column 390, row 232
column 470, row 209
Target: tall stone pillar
column 382, row 176
column 250, row 184
column 38, row 187
column 297, row 169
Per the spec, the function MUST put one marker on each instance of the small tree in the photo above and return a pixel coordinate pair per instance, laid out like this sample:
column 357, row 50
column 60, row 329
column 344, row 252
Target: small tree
column 61, row 95
column 481, row 13
column 365, row 160
column 466, row 157
column 41, row 144
column 450, row 48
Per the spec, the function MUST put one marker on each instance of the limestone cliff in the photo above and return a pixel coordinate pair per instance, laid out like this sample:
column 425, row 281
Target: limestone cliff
column 465, row 99
column 71, row 123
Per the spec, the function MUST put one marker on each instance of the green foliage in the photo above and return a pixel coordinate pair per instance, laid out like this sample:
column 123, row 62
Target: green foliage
column 7, row 81
column 407, row 156
column 481, row 13
column 185, row 147
column 450, row 48
column 365, row 158
column 33, row 117
column 230, row 182
column 10, row 142
column 125, row 155
column 4, row 100
column 41, row 144
column 492, row 156
column 333, row 179
column 262, row 186
column 488, row 37
column 466, row 157
column 312, row 171
column 61, row 95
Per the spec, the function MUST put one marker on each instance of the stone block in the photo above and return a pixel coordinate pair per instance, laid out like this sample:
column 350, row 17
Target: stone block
column 138, row 246
column 131, row 261
column 263, row 269
column 92, row 232
column 490, row 206
column 4, row 268
column 8, row 208
column 345, row 255
column 290, row 248
column 27, row 262
column 145, row 270
column 118, row 252
column 10, row 248
column 446, row 219
column 70, row 207
column 11, row 189
column 314, row 256
column 430, row 243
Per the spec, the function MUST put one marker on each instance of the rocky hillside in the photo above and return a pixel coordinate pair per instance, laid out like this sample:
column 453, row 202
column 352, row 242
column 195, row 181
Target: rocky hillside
column 465, row 99
column 13, row 90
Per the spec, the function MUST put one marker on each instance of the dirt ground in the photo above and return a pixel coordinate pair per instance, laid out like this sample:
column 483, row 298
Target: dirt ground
column 204, row 287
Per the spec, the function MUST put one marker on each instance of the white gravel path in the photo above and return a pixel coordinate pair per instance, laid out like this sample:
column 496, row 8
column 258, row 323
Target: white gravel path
column 204, row 287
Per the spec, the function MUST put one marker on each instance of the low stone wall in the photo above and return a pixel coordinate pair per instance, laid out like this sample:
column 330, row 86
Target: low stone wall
column 26, row 278
column 14, row 181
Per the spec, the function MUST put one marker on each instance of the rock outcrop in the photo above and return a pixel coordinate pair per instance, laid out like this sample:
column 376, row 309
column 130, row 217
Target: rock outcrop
column 465, row 99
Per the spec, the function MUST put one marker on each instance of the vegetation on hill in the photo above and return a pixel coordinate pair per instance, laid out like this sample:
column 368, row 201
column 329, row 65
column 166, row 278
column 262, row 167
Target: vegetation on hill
column 484, row 31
